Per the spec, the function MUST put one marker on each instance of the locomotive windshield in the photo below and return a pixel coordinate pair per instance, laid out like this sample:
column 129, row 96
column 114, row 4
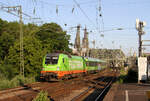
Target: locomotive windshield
column 51, row 59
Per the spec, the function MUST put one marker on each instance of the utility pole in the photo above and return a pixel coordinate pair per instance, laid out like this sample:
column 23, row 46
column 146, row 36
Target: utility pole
column 139, row 26
column 21, row 42
column 113, row 53
column 17, row 11
column 13, row 10
column 140, row 43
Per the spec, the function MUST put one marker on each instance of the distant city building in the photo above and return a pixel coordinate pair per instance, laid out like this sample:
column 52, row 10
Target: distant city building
column 85, row 44
column 84, row 49
column 115, row 56
column 77, row 40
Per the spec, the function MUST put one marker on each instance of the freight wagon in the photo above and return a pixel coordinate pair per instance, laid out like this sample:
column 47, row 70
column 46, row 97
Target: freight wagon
column 58, row 66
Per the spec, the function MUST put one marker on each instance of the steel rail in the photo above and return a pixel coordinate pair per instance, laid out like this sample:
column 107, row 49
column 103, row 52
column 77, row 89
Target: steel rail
column 86, row 91
column 108, row 85
column 17, row 88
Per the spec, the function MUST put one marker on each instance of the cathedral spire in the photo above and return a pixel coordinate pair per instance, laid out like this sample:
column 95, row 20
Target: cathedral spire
column 77, row 39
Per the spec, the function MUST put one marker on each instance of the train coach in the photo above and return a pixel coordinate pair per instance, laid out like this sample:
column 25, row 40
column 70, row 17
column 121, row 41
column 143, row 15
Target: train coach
column 58, row 66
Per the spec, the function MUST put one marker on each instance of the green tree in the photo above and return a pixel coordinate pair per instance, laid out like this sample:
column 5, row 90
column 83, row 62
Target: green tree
column 7, row 71
column 32, row 55
column 2, row 24
column 6, row 40
column 53, row 37
column 38, row 40
column 9, row 34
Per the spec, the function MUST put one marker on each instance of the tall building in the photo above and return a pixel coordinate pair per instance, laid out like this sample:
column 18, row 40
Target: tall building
column 85, row 43
column 77, row 39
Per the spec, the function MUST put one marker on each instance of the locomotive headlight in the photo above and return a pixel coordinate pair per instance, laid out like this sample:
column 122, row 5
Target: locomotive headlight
column 58, row 68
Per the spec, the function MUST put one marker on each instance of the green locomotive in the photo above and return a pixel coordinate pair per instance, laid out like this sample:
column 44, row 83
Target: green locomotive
column 61, row 66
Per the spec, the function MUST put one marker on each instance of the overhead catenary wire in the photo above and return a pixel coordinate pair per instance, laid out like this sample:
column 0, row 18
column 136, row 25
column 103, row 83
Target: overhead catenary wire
column 78, row 5
column 4, row 6
column 68, row 5
column 130, row 3
column 98, row 21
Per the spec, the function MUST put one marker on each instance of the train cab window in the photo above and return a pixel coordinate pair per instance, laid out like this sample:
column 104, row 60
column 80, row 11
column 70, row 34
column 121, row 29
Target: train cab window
column 51, row 60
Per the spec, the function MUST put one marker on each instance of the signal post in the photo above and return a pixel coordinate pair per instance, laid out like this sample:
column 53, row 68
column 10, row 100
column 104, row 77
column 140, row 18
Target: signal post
column 142, row 61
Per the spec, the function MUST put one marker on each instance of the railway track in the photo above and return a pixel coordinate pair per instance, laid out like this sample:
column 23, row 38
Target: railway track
column 86, row 88
column 57, row 91
column 95, row 92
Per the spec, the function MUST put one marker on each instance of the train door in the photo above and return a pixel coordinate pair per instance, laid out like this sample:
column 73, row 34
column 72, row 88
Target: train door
column 66, row 63
column 84, row 64
column 69, row 64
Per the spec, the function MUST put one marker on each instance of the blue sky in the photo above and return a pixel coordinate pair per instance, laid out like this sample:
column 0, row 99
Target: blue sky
column 115, row 14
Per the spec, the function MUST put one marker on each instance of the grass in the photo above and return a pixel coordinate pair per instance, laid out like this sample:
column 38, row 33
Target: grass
column 42, row 96
column 15, row 82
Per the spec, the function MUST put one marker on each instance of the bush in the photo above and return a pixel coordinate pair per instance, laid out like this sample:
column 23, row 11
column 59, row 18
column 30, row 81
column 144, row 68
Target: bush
column 8, row 71
column 2, row 77
column 132, row 76
column 42, row 96
column 5, row 84
column 20, row 80
column 129, row 77
column 16, row 81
